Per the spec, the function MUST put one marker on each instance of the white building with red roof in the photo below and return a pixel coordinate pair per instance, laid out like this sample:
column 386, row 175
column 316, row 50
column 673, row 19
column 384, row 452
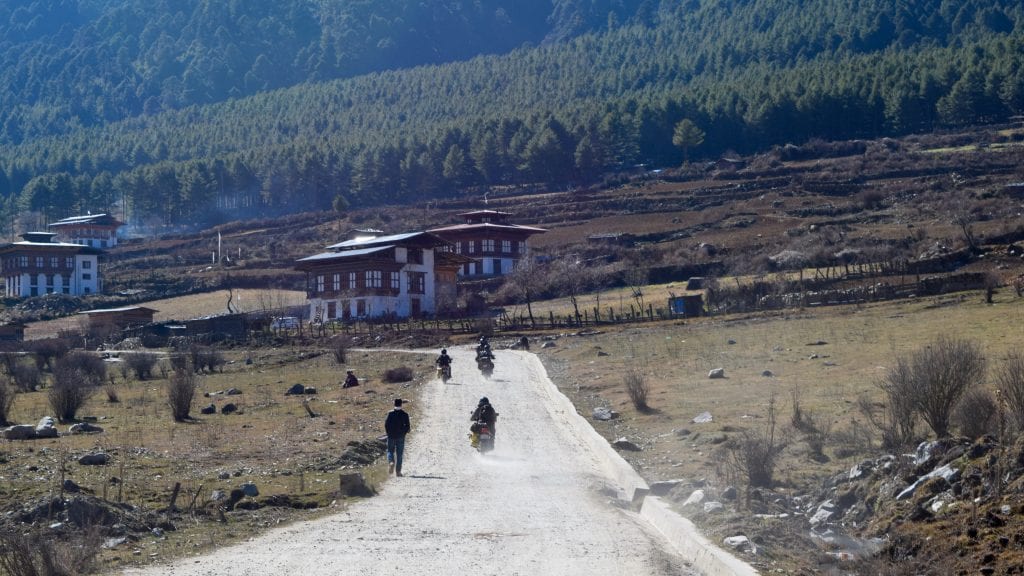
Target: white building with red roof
column 40, row 265
column 95, row 230
column 493, row 243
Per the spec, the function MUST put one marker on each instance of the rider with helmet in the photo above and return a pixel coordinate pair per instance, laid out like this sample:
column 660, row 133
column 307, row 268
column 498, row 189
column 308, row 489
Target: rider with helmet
column 444, row 362
column 485, row 413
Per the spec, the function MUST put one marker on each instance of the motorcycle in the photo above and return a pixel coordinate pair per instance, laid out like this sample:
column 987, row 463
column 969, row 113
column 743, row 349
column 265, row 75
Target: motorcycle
column 485, row 363
column 481, row 437
column 444, row 372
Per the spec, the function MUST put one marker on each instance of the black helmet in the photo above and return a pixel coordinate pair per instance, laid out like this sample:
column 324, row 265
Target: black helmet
column 444, row 351
column 484, row 400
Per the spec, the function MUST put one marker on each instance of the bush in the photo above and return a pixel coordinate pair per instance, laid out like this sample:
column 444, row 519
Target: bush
column 181, row 390
column 637, row 388
column 7, row 395
column 141, row 364
column 975, row 415
column 27, row 377
column 76, row 377
column 205, row 357
column 339, row 348
column 48, row 351
column 400, row 374
column 38, row 554
column 754, row 453
column 1009, row 379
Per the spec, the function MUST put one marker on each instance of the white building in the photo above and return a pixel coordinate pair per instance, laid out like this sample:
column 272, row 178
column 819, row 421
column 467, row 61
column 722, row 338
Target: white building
column 40, row 265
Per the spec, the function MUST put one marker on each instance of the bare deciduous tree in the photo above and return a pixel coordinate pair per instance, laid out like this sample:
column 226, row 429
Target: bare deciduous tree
column 975, row 415
column 76, row 376
column 755, row 452
column 527, row 281
column 141, row 364
column 637, row 388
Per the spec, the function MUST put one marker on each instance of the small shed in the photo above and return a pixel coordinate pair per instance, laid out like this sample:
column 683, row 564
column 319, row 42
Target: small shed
column 688, row 305
column 125, row 317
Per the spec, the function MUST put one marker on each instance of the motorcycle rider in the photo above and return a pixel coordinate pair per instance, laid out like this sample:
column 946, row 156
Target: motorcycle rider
column 485, row 413
column 444, row 361
column 483, row 349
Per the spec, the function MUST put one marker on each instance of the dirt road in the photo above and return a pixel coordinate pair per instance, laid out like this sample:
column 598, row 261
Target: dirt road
column 541, row 503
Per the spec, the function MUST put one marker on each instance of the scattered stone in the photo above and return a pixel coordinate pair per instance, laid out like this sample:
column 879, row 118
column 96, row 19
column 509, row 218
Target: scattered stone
column 296, row 389
column 730, row 493
column 605, row 414
column 741, row 543
column 702, row 418
column 717, row 373
column 663, row 487
column 211, row 409
column 548, row 344
column 602, row 353
column 250, row 489
column 94, row 459
column 232, row 392
column 818, row 343
column 731, row 341
column 70, row 486
column 228, row 408
column 85, row 428
column 624, row 444
column 712, row 507
column 683, row 432
column 768, row 374
column 218, row 495
column 310, row 390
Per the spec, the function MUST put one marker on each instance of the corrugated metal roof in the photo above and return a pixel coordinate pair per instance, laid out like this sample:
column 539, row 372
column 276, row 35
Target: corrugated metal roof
column 345, row 254
column 369, row 241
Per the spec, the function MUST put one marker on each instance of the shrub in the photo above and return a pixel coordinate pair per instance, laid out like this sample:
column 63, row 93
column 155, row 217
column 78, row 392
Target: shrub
column 637, row 388
column 141, row 364
column 205, row 357
column 975, row 414
column 76, row 377
column 7, row 395
column 38, row 554
column 754, row 453
column 181, row 390
column 940, row 374
column 27, row 377
column 47, row 351
column 339, row 348
column 400, row 374
column 1009, row 380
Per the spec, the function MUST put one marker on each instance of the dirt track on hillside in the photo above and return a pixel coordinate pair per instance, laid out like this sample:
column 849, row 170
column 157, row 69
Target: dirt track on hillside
column 539, row 504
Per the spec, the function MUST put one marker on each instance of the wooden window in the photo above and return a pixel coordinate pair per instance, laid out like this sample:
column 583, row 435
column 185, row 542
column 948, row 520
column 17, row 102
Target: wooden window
column 39, row 261
column 351, row 280
column 487, row 246
column 336, row 282
column 506, row 246
column 395, row 281
column 417, row 283
column 472, row 246
column 415, row 256
column 69, row 262
column 54, row 261
column 374, row 279
column 319, row 283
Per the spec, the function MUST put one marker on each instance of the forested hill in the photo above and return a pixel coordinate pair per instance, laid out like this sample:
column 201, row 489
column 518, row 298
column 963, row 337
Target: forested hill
column 198, row 111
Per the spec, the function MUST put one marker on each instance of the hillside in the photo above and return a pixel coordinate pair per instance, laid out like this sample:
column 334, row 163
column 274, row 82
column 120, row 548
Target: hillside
column 561, row 114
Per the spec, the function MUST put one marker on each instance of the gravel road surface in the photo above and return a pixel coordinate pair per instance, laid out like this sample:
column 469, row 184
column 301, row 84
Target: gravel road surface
column 540, row 503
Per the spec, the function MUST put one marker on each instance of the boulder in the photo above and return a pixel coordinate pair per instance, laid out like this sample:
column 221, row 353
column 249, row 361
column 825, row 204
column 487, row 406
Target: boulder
column 729, row 493
column 717, row 373
column 354, row 484
column 663, row 487
column 696, row 497
column 702, row 418
column 70, row 486
column 232, row 392
column 211, row 409
column 84, row 428
column 712, row 507
column 296, row 389
column 228, row 408
column 624, row 444
column 250, row 489
column 94, row 459
column 605, row 414
column 310, row 390
column 47, row 428
column 741, row 543
column 20, row 432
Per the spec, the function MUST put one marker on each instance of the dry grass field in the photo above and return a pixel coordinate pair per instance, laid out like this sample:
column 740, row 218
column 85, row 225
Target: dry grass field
column 272, row 441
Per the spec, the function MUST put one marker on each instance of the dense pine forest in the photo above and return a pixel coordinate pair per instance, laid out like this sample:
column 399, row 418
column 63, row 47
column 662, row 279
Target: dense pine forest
column 194, row 112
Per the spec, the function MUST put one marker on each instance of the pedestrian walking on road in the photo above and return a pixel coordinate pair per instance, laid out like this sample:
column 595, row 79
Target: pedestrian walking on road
column 397, row 426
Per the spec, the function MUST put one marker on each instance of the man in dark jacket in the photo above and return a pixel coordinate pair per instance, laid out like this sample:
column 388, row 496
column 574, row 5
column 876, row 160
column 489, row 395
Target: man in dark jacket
column 397, row 426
